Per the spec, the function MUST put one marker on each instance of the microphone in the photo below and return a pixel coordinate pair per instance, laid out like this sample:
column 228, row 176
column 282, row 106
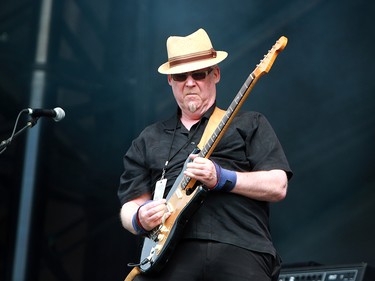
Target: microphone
column 57, row 113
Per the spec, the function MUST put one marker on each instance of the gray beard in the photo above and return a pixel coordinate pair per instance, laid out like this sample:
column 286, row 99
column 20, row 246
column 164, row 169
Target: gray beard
column 192, row 107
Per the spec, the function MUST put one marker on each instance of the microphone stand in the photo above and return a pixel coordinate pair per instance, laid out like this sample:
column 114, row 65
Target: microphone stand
column 5, row 143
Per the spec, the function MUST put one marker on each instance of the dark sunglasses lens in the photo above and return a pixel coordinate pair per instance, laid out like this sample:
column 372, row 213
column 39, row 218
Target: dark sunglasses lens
column 179, row 77
column 199, row 75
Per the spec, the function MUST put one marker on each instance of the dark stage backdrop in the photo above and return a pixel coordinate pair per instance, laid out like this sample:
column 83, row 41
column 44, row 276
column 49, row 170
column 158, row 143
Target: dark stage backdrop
column 102, row 69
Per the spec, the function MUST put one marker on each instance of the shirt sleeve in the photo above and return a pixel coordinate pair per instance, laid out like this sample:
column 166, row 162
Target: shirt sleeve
column 135, row 180
column 264, row 150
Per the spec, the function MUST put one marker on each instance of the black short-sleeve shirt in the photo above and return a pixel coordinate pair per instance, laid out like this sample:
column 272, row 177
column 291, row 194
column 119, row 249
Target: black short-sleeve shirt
column 249, row 144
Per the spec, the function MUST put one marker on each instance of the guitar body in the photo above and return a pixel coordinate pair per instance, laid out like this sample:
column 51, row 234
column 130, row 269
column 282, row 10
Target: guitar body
column 158, row 247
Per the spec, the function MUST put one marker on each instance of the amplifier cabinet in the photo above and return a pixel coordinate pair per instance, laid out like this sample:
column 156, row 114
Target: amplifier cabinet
column 351, row 272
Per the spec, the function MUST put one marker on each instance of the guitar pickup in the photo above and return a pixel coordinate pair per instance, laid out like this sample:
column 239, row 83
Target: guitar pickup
column 178, row 193
column 170, row 207
column 164, row 218
column 161, row 237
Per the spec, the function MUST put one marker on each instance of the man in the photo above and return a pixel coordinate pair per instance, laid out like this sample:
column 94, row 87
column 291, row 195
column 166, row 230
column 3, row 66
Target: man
column 228, row 237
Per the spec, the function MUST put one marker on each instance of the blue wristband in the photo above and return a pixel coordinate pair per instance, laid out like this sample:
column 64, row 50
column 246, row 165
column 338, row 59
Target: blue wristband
column 137, row 224
column 226, row 179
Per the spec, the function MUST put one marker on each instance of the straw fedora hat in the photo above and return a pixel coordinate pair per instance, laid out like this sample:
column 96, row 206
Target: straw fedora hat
column 190, row 53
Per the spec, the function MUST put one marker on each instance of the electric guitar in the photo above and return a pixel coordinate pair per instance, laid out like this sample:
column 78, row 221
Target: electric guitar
column 187, row 194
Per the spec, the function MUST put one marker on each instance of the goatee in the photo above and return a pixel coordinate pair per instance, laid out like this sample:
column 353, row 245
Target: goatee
column 192, row 107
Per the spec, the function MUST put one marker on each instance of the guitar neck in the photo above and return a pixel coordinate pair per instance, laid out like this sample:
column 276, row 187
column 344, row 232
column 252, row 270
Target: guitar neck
column 232, row 110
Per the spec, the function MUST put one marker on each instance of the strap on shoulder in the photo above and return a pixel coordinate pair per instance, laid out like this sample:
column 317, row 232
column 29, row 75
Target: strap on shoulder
column 213, row 123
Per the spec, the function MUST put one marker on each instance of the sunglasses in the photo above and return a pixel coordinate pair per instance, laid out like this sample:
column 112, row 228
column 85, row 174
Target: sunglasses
column 198, row 75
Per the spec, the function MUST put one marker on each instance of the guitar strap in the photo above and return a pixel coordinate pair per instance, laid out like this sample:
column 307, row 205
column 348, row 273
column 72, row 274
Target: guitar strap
column 212, row 124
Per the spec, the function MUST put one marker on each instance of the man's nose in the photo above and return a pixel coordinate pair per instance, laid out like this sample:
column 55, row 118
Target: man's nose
column 190, row 81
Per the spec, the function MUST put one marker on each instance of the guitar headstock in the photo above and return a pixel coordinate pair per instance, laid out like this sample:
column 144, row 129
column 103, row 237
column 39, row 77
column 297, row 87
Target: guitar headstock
column 266, row 63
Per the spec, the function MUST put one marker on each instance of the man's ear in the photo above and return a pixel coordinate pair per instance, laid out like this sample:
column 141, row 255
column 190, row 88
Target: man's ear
column 216, row 74
column 169, row 79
